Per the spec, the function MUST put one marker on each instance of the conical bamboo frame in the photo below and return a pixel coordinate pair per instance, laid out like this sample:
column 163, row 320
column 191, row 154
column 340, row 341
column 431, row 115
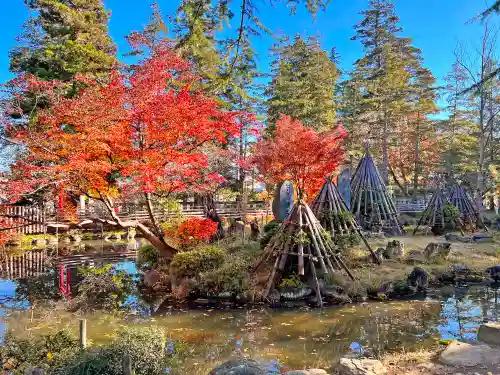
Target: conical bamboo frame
column 331, row 202
column 301, row 236
column 468, row 212
column 369, row 199
column 433, row 214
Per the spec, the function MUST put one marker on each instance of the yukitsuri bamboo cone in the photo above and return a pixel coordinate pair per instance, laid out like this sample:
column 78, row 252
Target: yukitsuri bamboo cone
column 329, row 204
column 468, row 212
column 301, row 238
column 433, row 214
column 369, row 199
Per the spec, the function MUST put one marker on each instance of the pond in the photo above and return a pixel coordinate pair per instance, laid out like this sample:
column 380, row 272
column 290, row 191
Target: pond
column 298, row 338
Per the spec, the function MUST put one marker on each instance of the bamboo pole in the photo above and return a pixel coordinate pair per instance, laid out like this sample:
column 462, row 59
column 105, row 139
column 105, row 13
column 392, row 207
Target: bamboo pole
column 300, row 245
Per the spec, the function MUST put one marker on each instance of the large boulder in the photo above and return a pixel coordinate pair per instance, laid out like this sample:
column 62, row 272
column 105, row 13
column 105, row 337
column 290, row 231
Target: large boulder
column 353, row 366
column 489, row 333
column 437, row 250
column 239, row 367
column 494, row 273
column 460, row 354
column 418, row 280
column 394, row 250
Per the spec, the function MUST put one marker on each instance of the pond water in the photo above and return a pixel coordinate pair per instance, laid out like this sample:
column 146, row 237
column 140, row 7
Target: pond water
column 298, row 338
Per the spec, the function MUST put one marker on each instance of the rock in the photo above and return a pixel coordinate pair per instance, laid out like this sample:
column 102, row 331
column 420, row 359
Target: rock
column 394, row 250
column 380, row 254
column 131, row 235
column 38, row 242
column 353, row 366
column 239, row 367
column 494, row 272
column 317, row 371
column 437, row 250
column 460, row 354
column 116, row 236
column 14, row 242
column 489, row 333
column 415, row 257
column 292, row 294
column 274, row 296
column 53, row 241
column 151, row 278
column 418, row 279
column 75, row 238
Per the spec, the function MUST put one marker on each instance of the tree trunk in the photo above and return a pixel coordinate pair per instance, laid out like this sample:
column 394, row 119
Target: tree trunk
column 416, row 171
column 156, row 240
column 385, row 150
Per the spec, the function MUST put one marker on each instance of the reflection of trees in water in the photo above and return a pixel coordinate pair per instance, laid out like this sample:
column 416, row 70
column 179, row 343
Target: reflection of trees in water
column 382, row 331
column 464, row 309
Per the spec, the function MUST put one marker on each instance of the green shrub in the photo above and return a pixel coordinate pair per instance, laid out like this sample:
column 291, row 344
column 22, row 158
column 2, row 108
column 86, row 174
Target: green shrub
column 149, row 349
column 249, row 251
column 231, row 277
column 346, row 241
column 272, row 225
column 148, row 257
column 45, row 352
column 103, row 288
column 292, row 281
column 270, row 229
column 450, row 212
column 146, row 347
column 191, row 263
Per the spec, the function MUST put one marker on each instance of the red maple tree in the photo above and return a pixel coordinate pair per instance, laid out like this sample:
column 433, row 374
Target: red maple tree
column 193, row 231
column 299, row 154
column 141, row 132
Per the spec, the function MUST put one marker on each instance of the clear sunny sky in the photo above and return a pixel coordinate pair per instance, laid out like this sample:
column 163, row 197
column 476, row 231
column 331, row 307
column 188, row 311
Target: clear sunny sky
column 435, row 26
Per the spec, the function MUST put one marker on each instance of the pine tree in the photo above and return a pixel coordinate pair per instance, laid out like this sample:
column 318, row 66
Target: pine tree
column 457, row 131
column 303, row 85
column 63, row 39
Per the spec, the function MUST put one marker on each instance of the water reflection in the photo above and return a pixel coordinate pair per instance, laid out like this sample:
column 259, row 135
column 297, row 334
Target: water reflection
column 296, row 338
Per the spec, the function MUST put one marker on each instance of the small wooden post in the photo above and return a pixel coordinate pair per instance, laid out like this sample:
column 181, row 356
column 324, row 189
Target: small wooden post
column 83, row 333
column 127, row 366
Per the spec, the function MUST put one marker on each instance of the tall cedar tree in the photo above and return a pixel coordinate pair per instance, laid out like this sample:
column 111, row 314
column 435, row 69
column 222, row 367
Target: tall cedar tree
column 299, row 154
column 140, row 133
column 63, row 39
column 387, row 85
column 303, row 85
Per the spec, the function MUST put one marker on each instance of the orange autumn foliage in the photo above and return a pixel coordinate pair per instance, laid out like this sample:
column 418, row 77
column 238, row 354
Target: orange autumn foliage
column 299, row 154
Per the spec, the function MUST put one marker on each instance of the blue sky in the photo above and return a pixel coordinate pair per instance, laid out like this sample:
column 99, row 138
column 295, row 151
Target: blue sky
column 435, row 26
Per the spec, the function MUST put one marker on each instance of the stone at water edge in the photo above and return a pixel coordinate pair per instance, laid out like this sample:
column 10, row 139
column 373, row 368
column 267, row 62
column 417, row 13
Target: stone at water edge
column 460, row 354
column 489, row 333
column 239, row 367
column 353, row 366
column 395, row 250
column 313, row 371
column 437, row 250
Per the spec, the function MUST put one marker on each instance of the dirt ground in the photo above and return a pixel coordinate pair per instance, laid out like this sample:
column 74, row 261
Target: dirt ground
column 425, row 363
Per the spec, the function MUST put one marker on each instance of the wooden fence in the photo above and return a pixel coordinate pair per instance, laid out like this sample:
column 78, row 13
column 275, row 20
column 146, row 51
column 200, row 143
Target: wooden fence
column 34, row 220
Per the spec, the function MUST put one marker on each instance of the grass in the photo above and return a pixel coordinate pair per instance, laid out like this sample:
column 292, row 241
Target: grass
column 477, row 256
